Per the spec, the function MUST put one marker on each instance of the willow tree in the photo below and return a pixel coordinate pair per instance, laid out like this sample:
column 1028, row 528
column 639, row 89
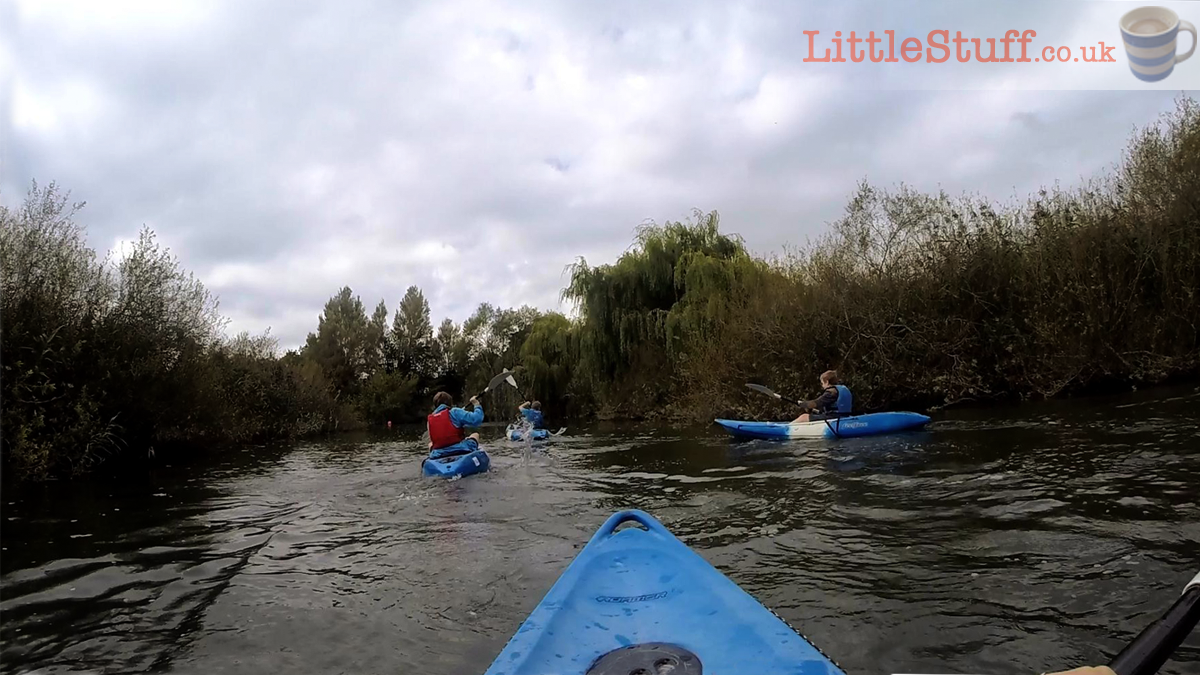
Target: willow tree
column 640, row 313
column 548, row 357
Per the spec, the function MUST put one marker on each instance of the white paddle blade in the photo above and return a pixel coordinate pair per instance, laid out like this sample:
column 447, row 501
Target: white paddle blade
column 497, row 380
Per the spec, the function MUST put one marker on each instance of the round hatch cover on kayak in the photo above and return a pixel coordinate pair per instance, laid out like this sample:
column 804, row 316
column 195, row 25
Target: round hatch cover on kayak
column 651, row 658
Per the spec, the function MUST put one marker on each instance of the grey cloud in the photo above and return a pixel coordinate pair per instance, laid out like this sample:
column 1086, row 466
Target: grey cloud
column 474, row 149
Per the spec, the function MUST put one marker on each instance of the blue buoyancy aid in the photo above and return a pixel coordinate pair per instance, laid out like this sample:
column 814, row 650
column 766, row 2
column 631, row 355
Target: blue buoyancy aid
column 534, row 417
column 845, row 400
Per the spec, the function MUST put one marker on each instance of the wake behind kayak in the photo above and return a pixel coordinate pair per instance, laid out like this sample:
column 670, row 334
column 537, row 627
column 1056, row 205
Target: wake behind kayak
column 639, row 599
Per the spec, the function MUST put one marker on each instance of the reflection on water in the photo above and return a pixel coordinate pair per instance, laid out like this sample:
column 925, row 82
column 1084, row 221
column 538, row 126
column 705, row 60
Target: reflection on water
column 1001, row 541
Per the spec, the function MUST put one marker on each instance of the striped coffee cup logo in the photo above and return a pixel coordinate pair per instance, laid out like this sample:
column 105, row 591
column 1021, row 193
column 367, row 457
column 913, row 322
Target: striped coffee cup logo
column 1150, row 35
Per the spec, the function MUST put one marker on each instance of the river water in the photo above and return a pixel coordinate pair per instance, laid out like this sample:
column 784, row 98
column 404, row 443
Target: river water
column 1007, row 540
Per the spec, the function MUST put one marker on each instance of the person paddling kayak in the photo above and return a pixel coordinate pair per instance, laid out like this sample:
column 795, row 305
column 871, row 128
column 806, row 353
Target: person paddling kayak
column 835, row 400
column 532, row 412
column 447, row 435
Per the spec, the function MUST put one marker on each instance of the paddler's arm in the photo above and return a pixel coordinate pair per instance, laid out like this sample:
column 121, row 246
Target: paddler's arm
column 822, row 402
column 462, row 418
column 1087, row 670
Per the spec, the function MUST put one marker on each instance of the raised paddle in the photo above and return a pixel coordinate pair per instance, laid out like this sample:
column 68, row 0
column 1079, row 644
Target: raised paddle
column 496, row 381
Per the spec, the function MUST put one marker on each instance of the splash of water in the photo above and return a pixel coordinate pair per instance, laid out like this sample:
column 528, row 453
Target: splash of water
column 524, row 428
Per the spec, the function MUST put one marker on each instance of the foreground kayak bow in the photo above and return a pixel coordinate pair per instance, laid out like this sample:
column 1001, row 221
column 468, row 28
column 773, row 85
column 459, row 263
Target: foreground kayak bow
column 639, row 600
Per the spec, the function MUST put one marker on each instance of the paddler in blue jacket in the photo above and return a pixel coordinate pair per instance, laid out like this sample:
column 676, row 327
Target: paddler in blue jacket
column 532, row 412
column 835, row 400
column 447, row 434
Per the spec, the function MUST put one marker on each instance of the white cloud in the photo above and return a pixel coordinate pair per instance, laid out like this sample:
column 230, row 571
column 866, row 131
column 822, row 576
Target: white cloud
column 476, row 148
column 120, row 19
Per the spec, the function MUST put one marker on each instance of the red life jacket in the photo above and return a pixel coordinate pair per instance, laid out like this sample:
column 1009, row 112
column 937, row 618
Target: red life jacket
column 442, row 431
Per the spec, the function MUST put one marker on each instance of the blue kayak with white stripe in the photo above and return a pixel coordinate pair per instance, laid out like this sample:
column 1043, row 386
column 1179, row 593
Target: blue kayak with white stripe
column 849, row 426
column 638, row 600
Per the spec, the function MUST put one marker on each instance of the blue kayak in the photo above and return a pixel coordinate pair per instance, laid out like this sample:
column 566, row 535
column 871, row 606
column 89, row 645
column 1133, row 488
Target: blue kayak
column 457, row 465
column 850, row 426
column 639, row 600
column 535, row 434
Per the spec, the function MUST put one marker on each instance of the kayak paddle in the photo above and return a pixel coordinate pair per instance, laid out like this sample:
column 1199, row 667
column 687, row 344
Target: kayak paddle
column 1155, row 644
column 496, row 381
column 506, row 376
column 763, row 390
column 530, row 398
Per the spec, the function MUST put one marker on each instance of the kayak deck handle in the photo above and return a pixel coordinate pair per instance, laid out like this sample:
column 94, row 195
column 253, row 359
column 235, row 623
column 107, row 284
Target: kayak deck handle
column 621, row 517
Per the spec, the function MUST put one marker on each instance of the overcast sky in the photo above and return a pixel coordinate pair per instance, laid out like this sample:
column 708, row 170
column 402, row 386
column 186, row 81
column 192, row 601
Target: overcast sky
column 284, row 149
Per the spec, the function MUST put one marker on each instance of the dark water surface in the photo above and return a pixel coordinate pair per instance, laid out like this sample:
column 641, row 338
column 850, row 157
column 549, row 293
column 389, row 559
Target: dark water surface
column 1009, row 540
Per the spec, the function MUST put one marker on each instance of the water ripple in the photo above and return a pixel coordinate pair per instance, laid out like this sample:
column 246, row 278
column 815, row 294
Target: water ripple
column 983, row 545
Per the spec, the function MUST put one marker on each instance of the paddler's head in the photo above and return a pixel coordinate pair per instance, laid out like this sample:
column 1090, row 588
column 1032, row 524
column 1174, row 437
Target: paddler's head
column 536, row 405
column 829, row 378
column 442, row 398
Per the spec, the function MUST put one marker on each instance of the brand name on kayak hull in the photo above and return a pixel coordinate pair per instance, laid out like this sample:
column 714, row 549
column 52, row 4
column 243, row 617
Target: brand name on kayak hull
column 631, row 598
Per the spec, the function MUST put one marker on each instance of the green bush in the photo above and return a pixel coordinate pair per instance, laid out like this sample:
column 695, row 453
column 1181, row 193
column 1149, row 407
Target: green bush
column 100, row 356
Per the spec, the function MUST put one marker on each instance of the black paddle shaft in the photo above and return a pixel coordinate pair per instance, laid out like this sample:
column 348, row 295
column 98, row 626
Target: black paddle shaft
column 763, row 390
column 496, row 381
column 1155, row 644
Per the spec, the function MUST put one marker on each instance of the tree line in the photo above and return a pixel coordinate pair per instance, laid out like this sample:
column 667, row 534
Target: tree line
column 389, row 371
column 916, row 299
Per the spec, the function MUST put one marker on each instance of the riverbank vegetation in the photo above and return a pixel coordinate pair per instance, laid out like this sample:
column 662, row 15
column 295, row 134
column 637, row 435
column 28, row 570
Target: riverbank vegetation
column 916, row 299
